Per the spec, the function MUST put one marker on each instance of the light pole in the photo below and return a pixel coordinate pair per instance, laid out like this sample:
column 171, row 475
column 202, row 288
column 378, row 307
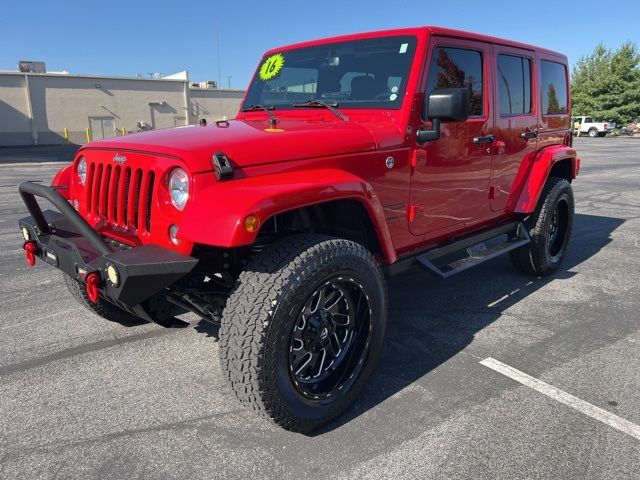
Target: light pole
column 229, row 80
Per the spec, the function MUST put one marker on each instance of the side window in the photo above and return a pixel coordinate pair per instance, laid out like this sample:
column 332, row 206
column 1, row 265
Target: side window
column 553, row 88
column 514, row 85
column 588, row 120
column 458, row 68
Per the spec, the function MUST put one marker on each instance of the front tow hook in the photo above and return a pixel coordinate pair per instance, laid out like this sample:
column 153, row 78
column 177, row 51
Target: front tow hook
column 93, row 282
column 30, row 249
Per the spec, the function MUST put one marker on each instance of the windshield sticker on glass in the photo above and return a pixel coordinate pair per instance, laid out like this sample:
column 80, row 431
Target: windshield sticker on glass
column 403, row 48
column 271, row 67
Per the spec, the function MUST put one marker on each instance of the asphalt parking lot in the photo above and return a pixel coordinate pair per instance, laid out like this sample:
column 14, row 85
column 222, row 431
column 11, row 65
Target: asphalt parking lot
column 84, row 398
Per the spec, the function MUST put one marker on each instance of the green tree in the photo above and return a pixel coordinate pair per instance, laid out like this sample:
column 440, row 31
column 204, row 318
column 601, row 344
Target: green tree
column 554, row 104
column 606, row 84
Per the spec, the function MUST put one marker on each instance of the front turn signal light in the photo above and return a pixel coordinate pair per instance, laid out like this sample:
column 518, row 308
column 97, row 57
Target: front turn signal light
column 251, row 223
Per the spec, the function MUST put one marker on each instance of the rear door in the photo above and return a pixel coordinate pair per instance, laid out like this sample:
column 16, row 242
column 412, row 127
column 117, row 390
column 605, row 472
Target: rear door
column 516, row 119
column 450, row 179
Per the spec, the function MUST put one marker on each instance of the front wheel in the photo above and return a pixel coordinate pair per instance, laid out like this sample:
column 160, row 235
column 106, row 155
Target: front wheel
column 549, row 228
column 303, row 328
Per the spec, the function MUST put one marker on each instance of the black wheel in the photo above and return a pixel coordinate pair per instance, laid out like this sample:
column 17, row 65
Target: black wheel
column 102, row 308
column 303, row 328
column 593, row 132
column 550, row 230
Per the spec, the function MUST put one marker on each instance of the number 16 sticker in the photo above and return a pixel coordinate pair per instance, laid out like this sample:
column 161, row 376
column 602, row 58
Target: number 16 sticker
column 271, row 67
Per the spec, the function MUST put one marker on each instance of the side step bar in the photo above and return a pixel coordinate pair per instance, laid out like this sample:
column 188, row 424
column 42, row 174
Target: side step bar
column 467, row 252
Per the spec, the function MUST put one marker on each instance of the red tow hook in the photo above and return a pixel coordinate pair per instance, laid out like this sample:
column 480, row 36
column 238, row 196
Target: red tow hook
column 93, row 282
column 30, row 249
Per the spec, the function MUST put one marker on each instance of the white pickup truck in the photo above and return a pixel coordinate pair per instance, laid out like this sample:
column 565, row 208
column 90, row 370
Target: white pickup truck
column 591, row 128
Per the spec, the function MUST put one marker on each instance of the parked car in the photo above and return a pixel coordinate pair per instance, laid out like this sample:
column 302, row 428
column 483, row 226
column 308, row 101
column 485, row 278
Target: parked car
column 583, row 124
column 351, row 159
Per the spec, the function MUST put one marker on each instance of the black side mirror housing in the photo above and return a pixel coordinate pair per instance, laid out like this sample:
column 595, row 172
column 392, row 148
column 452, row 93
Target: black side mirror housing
column 444, row 105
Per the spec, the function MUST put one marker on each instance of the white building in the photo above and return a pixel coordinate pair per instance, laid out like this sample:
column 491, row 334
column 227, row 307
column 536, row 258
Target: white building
column 58, row 108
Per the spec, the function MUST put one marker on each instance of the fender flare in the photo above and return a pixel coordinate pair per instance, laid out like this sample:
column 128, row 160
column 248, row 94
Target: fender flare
column 215, row 216
column 62, row 180
column 534, row 173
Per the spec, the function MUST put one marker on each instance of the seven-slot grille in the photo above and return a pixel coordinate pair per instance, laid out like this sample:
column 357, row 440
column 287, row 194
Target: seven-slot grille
column 120, row 194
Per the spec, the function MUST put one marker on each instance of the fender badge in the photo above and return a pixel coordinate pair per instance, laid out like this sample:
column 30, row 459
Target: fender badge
column 119, row 158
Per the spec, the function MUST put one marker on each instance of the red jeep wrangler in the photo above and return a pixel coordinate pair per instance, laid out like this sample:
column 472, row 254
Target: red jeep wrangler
column 351, row 158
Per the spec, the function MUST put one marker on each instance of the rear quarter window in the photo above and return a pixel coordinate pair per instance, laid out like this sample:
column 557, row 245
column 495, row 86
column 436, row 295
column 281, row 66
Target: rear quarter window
column 553, row 88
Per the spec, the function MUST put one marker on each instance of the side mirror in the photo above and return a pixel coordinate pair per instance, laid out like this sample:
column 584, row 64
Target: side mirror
column 444, row 105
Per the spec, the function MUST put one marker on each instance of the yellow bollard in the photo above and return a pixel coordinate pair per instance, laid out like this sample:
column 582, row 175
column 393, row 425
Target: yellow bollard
column 124, row 131
column 88, row 134
column 66, row 136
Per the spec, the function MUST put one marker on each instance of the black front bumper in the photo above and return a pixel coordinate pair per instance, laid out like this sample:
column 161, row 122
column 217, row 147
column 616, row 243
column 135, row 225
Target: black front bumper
column 66, row 241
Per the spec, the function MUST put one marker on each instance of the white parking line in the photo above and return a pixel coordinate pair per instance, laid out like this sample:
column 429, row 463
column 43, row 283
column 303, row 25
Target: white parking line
column 625, row 426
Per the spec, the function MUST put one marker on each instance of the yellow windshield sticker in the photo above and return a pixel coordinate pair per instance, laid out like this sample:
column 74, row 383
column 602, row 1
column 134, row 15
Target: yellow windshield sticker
column 271, row 67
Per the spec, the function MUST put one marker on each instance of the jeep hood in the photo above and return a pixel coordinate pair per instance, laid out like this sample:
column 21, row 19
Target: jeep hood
column 250, row 142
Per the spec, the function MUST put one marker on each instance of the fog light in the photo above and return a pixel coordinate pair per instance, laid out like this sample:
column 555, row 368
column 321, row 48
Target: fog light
column 251, row 223
column 26, row 234
column 173, row 234
column 113, row 275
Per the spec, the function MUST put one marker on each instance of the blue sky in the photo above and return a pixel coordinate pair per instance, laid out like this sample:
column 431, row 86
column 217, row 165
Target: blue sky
column 140, row 36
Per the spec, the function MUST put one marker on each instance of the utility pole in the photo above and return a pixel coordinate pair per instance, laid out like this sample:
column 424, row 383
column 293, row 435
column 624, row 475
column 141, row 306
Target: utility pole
column 229, row 80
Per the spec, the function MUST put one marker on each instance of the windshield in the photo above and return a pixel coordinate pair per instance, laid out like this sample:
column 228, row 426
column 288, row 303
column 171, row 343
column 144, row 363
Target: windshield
column 369, row 73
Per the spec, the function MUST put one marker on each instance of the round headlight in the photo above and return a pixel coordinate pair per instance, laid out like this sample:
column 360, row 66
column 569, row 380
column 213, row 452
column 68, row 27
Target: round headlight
column 81, row 169
column 179, row 188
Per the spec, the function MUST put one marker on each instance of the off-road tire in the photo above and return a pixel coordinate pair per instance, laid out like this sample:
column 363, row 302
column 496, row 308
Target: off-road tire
column 260, row 316
column 102, row 307
column 535, row 258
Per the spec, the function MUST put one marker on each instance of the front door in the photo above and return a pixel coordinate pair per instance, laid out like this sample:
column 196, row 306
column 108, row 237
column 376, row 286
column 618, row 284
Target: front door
column 450, row 180
column 516, row 121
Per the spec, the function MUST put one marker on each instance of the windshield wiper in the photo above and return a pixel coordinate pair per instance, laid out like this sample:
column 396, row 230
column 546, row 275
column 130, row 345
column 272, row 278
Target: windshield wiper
column 273, row 121
column 315, row 103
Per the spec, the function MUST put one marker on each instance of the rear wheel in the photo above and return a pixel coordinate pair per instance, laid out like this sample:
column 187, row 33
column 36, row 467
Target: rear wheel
column 303, row 328
column 549, row 228
column 593, row 132
column 102, row 307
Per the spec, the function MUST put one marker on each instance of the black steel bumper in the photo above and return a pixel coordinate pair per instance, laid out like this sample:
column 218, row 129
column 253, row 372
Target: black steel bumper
column 66, row 241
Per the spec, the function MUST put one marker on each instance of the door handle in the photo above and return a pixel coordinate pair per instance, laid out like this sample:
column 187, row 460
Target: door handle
column 485, row 139
column 527, row 135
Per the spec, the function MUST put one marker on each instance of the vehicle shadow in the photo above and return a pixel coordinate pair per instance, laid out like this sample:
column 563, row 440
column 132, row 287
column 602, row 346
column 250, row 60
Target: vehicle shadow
column 431, row 320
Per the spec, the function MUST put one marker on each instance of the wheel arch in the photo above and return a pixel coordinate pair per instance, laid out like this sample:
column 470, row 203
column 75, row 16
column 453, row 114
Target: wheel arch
column 346, row 218
column 294, row 195
column 557, row 161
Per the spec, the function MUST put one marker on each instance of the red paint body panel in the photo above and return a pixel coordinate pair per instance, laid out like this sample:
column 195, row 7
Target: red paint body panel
column 266, row 196
column 429, row 194
column 63, row 179
column 534, row 173
column 249, row 142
